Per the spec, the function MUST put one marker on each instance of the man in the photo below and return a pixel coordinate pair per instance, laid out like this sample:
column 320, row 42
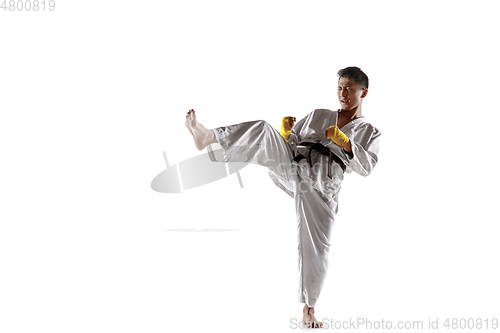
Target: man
column 308, row 162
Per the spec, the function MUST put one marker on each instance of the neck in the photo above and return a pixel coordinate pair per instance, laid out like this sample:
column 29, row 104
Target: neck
column 351, row 114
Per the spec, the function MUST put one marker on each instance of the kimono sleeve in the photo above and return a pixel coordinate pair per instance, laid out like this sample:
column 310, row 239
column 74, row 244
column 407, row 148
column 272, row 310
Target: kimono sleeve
column 365, row 147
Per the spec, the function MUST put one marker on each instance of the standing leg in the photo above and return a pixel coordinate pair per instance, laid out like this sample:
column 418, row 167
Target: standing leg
column 315, row 219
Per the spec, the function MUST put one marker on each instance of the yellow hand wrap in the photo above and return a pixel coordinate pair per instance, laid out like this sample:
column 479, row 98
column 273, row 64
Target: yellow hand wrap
column 336, row 135
column 285, row 128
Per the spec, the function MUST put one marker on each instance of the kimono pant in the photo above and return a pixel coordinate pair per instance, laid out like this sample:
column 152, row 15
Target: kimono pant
column 258, row 141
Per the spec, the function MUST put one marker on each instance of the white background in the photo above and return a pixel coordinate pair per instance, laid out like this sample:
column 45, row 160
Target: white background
column 93, row 92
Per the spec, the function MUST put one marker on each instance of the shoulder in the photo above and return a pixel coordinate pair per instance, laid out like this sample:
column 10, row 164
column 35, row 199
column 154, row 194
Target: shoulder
column 371, row 128
column 364, row 128
column 324, row 111
column 320, row 112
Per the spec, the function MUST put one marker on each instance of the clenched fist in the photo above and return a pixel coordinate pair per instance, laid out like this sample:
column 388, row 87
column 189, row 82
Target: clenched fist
column 286, row 127
column 336, row 135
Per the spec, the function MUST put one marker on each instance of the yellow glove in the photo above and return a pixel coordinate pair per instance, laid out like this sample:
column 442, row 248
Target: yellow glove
column 335, row 134
column 286, row 127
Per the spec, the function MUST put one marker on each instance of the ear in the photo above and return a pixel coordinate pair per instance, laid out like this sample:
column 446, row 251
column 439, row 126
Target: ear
column 364, row 93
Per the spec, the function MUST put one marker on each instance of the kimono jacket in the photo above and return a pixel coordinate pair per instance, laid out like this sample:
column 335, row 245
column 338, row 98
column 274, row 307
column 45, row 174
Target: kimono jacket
column 365, row 141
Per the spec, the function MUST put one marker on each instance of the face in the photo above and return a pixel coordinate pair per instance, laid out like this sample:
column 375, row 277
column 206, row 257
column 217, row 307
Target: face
column 350, row 94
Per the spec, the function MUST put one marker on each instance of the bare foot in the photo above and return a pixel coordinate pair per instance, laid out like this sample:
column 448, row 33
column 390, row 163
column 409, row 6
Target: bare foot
column 202, row 136
column 308, row 318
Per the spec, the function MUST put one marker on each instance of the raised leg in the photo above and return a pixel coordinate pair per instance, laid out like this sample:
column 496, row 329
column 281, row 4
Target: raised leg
column 256, row 141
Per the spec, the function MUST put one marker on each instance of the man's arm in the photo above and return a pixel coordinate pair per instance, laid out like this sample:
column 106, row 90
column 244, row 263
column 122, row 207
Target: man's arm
column 293, row 137
column 361, row 157
column 348, row 148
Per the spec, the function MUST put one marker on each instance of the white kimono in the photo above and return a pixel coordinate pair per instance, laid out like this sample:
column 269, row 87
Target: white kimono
column 314, row 192
column 365, row 140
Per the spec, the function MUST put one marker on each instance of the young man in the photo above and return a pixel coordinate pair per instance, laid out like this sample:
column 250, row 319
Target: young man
column 308, row 162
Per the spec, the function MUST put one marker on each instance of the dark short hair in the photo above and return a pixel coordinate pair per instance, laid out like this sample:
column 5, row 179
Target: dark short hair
column 355, row 73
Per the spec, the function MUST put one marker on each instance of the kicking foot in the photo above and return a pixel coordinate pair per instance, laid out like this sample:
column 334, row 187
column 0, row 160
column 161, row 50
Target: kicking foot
column 202, row 136
column 308, row 318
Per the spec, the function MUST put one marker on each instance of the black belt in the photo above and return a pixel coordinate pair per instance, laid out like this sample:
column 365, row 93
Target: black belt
column 322, row 150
